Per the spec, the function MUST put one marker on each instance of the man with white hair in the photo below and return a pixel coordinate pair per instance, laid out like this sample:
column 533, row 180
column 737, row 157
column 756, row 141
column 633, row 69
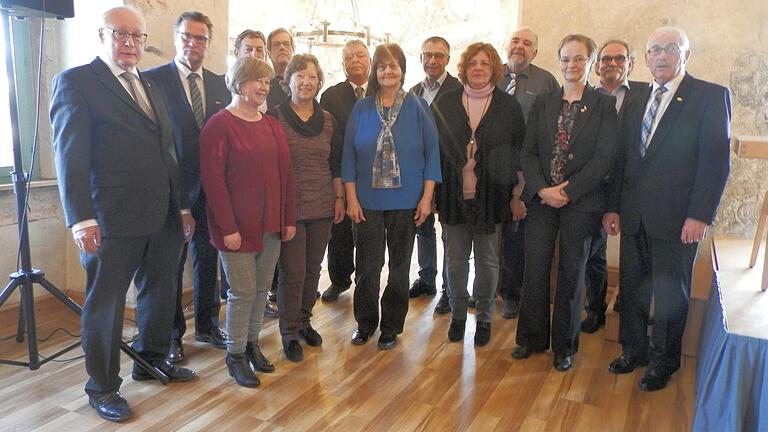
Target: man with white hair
column 123, row 200
column 671, row 169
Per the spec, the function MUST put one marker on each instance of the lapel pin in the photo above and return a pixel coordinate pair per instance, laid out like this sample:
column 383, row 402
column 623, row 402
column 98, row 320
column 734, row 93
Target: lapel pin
column 679, row 99
column 584, row 109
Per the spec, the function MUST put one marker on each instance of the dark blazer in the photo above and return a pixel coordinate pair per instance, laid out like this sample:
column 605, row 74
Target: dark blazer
column 686, row 165
column 186, row 133
column 450, row 83
column 339, row 101
column 499, row 135
column 114, row 163
column 592, row 148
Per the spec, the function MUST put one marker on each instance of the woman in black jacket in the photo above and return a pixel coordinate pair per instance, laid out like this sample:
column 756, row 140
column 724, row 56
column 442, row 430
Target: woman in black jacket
column 568, row 150
column 481, row 130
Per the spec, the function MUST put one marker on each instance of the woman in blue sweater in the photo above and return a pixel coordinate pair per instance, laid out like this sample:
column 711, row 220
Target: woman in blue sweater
column 390, row 165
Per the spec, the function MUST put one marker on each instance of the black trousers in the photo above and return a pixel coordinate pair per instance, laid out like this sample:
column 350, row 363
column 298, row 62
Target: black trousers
column 596, row 275
column 575, row 229
column 660, row 270
column 204, row 273
column 512, row 260
column 150, row 262
column 341, row 253
column 395, row 231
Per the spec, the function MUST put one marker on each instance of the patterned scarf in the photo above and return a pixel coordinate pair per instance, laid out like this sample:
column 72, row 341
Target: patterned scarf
column 386, row 168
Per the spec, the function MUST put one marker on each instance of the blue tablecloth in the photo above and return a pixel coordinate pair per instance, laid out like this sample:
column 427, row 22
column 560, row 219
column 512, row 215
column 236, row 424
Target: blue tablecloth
column 732, row 376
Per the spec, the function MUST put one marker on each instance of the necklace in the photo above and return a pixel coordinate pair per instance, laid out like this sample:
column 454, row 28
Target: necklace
column 472, row 147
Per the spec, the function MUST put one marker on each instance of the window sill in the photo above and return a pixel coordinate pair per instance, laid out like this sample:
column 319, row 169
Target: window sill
column 34, row 184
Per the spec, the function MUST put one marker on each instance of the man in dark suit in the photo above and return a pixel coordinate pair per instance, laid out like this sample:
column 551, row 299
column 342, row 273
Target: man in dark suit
column 435, row 55
column 524, row 80
column 615, row 62
column 192, row 95
column 339, row 100
column 280, row 47
column 670, row 175
column 119, row 184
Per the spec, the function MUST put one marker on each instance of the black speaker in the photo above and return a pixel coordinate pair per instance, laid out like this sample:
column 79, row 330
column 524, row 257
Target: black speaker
column 34, row 8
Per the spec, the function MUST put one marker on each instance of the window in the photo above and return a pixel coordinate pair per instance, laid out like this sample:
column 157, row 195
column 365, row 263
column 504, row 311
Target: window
column 24, row 95
column 6, row 149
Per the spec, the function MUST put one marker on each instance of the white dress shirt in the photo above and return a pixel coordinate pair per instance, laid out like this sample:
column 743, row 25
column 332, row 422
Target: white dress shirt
column 666, row 98
column 184, row 72
column 620, row 92
column 429, row 94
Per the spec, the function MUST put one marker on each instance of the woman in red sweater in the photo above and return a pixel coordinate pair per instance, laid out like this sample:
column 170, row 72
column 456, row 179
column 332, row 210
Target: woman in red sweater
column 251, row 205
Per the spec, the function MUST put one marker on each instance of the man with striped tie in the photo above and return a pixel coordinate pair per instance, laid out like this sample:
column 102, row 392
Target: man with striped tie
column 193, row 94
column 672, row 165
column 524, row 81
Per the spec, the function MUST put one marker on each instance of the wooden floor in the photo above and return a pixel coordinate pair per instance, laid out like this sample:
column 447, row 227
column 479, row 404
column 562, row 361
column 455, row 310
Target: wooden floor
column 425, row 383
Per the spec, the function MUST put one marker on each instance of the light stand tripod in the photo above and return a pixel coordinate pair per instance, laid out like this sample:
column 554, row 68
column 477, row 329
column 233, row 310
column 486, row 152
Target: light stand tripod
column 27, row 276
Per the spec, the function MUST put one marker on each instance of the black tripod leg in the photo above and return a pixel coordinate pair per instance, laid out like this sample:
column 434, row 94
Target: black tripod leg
column 155, row 372
column 68, row 302
column 9, row 289
column 20, row 327
column 28, row 308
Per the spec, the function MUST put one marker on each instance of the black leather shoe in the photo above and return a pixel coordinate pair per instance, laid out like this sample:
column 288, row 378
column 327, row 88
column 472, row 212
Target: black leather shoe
column 482, row 333
column 311, row 336
column 456, row 330
column 524, row 351
column 272, row 296
column 653, row 380
column 238, row 368
column 215, row 337
column 293, row 351
column 332, row 293
column 270, row 310
column 175, row 351
column 592, row 323
column 510, row 309
column 472, row 302
column 387, row 341
column 625, row 364
column 360, row 337
column 111, row 406
column 257, row 360
column 563, row 363
column 174, row 373
column 420, row 288
column 443, row 305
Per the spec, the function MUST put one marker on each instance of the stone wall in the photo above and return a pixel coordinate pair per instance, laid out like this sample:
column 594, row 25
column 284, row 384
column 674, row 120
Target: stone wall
column 729, row 41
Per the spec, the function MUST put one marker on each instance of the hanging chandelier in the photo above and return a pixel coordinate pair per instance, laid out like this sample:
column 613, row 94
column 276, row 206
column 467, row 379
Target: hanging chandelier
column 321, row 33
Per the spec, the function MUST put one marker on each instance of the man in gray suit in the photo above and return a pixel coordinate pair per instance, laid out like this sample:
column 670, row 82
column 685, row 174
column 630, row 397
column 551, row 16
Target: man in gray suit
column 120, row 189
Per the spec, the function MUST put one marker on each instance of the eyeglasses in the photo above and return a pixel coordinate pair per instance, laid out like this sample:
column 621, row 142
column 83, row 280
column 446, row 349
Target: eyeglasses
column 383, row 66
column 189, row 37
column 276, row 44
column 606, row 59
column 122, row 36
column 565, row 61
column 427, row 56
column 671, row 49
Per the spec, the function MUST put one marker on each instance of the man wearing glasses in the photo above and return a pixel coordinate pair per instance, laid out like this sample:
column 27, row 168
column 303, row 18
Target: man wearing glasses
column 122, row 198
column 435, row 55
column 192, row 95
column 615, row 61
column 280, row 47
column 524, row 81
column 671, row 169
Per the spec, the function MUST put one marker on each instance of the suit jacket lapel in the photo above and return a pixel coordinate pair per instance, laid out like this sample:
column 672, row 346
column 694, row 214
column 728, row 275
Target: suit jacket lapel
column 588, row 100
column 213, row 102
column 670, row 115
column 181, row 94
column 554, row 101
column 110, row 81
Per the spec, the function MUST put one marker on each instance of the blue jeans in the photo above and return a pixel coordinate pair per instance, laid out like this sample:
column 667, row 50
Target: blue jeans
column 460, row 240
